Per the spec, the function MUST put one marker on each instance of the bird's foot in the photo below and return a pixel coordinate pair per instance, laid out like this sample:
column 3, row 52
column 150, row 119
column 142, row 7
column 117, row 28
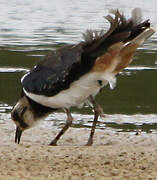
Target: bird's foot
column 53, row 143
column 90, row 142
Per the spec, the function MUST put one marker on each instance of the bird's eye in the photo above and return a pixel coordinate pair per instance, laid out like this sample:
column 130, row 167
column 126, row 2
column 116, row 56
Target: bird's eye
column 15, row 116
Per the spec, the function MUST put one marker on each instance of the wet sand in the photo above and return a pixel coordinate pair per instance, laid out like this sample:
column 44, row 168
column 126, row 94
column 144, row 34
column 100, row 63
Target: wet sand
column 115, row 156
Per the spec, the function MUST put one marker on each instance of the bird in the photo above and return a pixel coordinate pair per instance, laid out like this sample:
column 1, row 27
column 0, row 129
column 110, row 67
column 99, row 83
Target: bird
column 72, row 75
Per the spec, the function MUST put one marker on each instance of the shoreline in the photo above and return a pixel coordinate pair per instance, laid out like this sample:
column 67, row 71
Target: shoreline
column 113, row 156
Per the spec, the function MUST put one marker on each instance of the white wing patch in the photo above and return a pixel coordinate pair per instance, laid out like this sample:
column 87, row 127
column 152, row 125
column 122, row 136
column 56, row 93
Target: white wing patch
column 78, row 92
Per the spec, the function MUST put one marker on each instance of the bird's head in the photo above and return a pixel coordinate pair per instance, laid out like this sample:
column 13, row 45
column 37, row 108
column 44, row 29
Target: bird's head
column 23, row 116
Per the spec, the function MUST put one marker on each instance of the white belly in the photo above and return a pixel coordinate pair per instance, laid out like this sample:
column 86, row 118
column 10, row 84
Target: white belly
column 78, row 92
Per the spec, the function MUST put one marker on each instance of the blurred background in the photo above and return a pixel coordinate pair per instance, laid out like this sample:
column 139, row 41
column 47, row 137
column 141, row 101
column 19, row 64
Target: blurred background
column 29, row 29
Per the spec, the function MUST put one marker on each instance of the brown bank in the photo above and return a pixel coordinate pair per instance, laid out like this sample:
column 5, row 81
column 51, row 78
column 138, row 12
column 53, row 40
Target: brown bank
column 114, row 155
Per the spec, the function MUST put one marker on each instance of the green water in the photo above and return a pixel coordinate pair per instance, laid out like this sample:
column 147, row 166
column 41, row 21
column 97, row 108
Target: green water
column 30, row 29
column 135, row 91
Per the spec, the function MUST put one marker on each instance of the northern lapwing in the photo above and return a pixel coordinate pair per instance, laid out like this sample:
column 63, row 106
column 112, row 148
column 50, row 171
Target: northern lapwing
column 74, row 74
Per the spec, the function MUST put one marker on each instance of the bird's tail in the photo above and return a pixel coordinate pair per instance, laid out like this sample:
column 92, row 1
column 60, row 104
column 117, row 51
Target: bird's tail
column 119, row 43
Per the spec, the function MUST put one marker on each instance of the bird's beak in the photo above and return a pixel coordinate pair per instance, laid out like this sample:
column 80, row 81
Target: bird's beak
column 18, row 135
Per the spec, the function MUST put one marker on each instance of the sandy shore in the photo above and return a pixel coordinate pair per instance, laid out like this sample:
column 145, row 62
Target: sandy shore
column 115, row 156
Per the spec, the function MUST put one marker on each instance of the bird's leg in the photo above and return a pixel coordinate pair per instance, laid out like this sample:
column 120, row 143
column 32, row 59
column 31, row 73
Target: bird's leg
column 67, row 125
column 97, row 111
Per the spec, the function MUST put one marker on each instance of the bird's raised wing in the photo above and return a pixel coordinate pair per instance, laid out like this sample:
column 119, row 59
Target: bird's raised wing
column 57, row 71
column 68, row 64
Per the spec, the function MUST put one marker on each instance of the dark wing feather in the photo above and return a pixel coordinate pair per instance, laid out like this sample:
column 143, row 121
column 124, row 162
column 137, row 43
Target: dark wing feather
column 121, row 30
column 67, row 64
column 57, row 71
